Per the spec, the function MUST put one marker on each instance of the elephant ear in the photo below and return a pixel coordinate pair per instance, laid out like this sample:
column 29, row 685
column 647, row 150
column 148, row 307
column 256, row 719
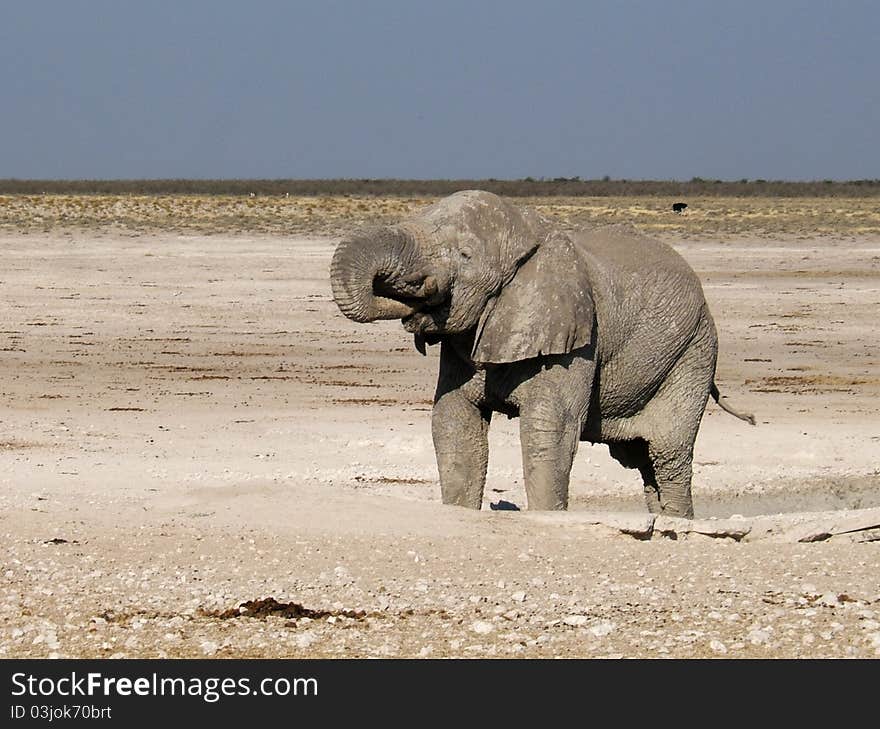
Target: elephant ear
column 547, row 308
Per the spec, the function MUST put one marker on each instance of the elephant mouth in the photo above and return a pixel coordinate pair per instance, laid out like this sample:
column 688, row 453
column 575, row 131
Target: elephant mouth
column 429, row 305
column 426, row 321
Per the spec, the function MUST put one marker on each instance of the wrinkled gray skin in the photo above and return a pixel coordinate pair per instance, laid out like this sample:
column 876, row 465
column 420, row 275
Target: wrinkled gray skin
column 602, row 336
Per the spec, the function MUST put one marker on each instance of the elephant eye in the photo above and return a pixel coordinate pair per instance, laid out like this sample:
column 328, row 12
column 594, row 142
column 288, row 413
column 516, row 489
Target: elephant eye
column 466, row 253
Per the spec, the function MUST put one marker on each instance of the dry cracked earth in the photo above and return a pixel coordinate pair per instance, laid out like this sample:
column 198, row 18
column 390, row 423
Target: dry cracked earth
column 199, row 456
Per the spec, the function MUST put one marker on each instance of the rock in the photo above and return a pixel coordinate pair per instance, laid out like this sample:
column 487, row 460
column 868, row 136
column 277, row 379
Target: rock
column 716, row 646
column 829, row 599
column 862, row 536
column 640, row 526
column 757, row 636
column 518, row 596
column 852, row 525
column 209, row 647
column 603, row 628
column 575, row 621
column 304, row 640
column 633, row 524
column 844, row 522
column 673, row 526
column 482, row 627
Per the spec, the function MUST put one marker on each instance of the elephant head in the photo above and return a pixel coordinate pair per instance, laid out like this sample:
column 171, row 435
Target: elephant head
column 472, row 261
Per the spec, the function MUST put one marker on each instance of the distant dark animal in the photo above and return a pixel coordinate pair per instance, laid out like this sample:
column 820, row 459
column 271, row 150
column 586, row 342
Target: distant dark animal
column 679, row 207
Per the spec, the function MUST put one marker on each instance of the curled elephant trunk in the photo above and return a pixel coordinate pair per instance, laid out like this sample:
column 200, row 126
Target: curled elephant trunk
column 370, row 274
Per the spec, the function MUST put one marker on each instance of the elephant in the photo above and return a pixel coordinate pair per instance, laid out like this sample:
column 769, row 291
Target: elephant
column 601, row 335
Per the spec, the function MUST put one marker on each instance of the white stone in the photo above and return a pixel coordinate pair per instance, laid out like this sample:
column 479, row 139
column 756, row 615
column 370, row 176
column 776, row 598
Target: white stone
column 735, row 529
column 757, row 636
column 575, row 620
column 603, row 628
column 304, row 640
column 482, row 627
column 716, row 646
column 518, row 596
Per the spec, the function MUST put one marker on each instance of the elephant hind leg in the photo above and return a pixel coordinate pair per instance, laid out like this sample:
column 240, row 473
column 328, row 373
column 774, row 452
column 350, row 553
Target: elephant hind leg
column 674, row 419
column 636, row 454
column 671, row 474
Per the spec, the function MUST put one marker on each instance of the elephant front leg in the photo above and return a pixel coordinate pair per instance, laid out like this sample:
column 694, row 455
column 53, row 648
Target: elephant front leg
column 460, row 430
column 549, row 437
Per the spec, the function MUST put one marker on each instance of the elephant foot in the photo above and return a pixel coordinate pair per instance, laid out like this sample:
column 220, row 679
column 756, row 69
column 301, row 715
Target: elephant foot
column 549, row 504
column 546, row 487
column 682, row 512
column 668, row 485
column 469, row 498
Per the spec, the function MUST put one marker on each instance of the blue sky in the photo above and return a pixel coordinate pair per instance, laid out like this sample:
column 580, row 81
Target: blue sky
column 444, row 89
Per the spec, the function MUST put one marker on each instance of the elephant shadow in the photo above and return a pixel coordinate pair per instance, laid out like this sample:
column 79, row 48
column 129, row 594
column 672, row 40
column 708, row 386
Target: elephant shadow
column 504, row 506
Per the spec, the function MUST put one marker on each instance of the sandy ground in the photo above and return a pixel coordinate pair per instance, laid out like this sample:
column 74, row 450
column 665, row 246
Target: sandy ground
column 188, row 423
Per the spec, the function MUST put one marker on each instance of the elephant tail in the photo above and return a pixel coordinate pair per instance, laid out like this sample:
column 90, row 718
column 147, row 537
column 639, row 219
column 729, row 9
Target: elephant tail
column 720, row 399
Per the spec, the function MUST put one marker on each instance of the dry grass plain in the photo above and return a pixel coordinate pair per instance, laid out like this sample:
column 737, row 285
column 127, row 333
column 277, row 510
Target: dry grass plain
column 799, row 217
column 189, row 424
